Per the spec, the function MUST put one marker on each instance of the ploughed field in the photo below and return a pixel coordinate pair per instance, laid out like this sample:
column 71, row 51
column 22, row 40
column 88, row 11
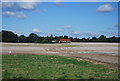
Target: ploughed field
column 103, row 52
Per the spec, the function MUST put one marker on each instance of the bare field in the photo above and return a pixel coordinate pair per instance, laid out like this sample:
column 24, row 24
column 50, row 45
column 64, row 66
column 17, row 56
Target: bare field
column 103, row 52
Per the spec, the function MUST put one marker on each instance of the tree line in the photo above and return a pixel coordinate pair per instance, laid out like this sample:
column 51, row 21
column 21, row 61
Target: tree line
column 8, row 36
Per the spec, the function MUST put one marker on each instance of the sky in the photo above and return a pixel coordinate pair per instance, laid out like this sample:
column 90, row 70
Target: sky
column 75, row 19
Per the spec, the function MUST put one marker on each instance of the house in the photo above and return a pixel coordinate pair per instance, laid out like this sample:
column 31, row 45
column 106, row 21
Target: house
column 64, row 40
column 61, row 40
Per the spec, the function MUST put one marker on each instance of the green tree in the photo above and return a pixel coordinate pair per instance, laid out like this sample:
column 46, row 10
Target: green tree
column 102, row 38
column 84, row 40
column 61, row 37
column 51, row 36
column 94, row 39
column 33, row 37
column 23, row 39
column 8, row 36
column 66, row 37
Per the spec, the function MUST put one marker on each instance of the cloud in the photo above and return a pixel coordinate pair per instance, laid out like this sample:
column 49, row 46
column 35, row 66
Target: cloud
column 76, row 32
column 36, row 30
column 90, row 34
column 110, row 33
column 17, row 6
column 21, row 16
column 67, row 26
column 83, row 34
column 11, row 9
column 105, row 8
column 11, row 14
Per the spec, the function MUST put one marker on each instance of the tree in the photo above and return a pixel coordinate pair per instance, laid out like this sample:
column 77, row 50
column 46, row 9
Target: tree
column 23, row 39
column 114, row 39
column 94, row 39
column 8, row 36
column 66, row 37
column 61, row 37
column 72, row 39
column 32, row 35
column 51, row 36
column 56, row 37
column 84, row 40
column 32, row 38
column 102, row 38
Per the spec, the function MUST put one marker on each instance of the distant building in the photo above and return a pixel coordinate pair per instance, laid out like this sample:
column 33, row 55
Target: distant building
column 61, row 41
column 64, row 40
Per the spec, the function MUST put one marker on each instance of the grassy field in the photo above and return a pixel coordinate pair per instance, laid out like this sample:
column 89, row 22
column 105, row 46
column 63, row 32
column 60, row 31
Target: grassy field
column 53, row 67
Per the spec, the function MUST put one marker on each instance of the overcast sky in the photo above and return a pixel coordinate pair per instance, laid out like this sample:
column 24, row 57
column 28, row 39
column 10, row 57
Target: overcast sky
column 76, row 19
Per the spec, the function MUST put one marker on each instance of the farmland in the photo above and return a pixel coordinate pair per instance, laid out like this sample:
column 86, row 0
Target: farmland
column 105, row 52
column 48, row 61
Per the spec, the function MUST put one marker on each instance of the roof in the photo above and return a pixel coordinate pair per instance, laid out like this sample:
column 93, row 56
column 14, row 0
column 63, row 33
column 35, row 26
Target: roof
column 64, row 40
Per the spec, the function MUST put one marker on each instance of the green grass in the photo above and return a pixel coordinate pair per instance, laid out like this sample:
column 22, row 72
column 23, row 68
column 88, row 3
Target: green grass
column 53, row 67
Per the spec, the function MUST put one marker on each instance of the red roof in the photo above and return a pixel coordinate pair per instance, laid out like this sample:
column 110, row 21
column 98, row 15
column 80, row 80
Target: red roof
column 64, row 40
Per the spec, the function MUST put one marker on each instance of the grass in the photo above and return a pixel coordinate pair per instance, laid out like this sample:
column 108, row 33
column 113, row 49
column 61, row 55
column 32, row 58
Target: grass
column 53, row 67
